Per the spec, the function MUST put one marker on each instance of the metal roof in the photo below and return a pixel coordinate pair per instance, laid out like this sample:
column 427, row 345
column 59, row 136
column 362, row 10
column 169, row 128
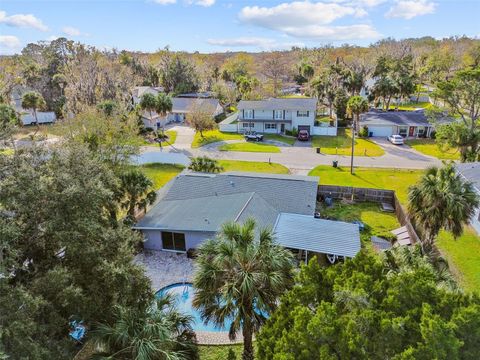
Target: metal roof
column 471, row 172
column 317, row 235
column 399, row 118
column 279, row 104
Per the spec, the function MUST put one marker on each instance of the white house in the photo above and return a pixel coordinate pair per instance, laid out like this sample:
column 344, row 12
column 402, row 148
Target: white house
column 276, row 116
column 471, row 173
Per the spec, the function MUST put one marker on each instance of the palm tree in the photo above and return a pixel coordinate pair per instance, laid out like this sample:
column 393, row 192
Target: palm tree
column 441, row 200
column 148, row 102
column 158, row 332
column 205, row 164
column 240, row 276
column 163, row 106
column 136, row 192
column 33, row 101
column 356, row 106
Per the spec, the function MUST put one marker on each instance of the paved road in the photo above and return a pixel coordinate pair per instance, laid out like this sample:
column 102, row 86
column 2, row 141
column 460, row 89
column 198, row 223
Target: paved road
column 297, row 159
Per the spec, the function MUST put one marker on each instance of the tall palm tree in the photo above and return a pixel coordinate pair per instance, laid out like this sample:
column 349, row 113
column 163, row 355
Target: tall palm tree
column 205, row 164
column 148, row 102
column 136, row 192
column 33, row 101
column 240, row 276
column 163, row 106
column 442, row 199
column 356, row 106
column 158, row 332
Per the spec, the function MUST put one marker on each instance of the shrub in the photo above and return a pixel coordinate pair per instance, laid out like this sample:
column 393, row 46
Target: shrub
column 363, row 132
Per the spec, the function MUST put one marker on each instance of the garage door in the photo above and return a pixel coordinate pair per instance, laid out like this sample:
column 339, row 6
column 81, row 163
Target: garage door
column 304, row 127
column 380, row 131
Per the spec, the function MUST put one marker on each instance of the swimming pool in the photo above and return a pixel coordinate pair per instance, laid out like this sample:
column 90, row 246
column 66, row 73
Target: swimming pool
column 184, row 295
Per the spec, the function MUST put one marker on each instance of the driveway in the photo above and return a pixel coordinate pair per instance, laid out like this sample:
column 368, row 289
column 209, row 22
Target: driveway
column 402, row 151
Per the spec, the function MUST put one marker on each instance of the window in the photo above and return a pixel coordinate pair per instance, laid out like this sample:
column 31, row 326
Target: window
column 270, row 126
column 278, row 114
column 303, row 113
column 402, row 130
column 248, row 114
column 248, row 125
column 420, row 130
column 173, row 241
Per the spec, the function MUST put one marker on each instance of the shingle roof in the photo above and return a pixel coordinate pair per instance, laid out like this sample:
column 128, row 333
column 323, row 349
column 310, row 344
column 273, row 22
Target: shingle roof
column 317, row 235
column 400, row 118
column 202, row 202
column 184, row 105
column 279, row 104
column 471, row 172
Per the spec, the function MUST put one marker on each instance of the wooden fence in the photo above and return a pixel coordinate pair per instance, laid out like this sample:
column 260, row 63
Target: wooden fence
column 371, row 195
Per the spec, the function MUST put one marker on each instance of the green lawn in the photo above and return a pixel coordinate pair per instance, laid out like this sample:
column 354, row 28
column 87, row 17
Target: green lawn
column 429, row 147
column 160, row 174
column 6, row 151
column 172, row 137
column 290, row 140
column 250, row 147
column 391, row 179
column 342, row 144
column 253, row 166
column 463, row 255
column 219, row 352
column 377, row 222
column 410, row 106
column 213, row 136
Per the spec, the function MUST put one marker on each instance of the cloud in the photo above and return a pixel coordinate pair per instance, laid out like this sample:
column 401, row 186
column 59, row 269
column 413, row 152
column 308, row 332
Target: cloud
column 53, row 37
column 9, row 41
column 165, row 2
column 257, row 42
column 204, row 3
column 71, row 31
column 408, row 9
column 305, row 19
column 22, row 20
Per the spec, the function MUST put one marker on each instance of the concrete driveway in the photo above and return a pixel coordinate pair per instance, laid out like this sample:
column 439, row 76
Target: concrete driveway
column 402, row 151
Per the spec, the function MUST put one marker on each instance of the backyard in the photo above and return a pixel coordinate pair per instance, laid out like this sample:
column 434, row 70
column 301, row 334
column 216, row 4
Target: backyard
column 250, row 147
column 253, row 166
column 160, row 174
column 430, row 147
column 342, row 144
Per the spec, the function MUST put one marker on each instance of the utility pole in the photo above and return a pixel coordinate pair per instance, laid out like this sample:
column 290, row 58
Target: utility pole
column 353, row 147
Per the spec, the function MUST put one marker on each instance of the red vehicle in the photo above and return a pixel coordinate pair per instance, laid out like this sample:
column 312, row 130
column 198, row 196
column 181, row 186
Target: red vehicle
column 303, row 135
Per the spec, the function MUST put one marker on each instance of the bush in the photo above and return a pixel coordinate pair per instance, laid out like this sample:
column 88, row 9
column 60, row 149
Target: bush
column 293, row 132
column 363, row 132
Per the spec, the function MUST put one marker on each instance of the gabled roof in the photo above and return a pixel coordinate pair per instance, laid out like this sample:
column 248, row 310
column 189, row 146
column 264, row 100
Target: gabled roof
column 399, row 118
column 279, row 104
column 471, row 172
column 318, row 235
column 203, row 202
column 184, row 105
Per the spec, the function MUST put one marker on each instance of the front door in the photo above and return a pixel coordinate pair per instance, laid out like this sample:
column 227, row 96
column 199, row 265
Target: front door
column 411, row 131
column 282, row 128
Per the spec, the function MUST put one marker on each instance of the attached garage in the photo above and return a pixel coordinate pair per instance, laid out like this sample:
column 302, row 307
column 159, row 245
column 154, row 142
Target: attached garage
column 304, row 127
column 380, row 131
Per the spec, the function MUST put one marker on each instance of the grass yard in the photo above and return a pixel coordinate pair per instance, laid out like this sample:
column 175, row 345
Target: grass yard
column 213, row 136
column 377, row 222
column 410, row 106
column 219, row 352
column 253, row 166
column 250, row 147
column 391, row 179
column 342, row 144
column 463, row 257
column 172, row 137
column 289, row 140
column 6, row 151
column 429, row 147
column 160, row 174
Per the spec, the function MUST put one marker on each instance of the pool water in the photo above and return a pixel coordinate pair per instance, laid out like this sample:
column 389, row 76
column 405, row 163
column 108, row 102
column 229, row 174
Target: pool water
column 184, row 294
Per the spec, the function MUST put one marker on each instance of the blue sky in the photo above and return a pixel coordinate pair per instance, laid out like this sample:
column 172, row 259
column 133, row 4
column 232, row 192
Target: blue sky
column 222, row 25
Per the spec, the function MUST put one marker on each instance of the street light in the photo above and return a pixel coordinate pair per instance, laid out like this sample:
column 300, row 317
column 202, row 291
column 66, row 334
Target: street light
column 353, row 147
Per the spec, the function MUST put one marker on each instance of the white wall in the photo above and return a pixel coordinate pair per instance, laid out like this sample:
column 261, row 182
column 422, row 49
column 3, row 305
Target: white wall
column 476, row 222
column 307, row 121
column 228, row 127
column 324, row 130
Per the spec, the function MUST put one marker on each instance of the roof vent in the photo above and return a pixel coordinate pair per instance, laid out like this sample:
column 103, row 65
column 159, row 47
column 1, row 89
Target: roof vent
column 231, row 183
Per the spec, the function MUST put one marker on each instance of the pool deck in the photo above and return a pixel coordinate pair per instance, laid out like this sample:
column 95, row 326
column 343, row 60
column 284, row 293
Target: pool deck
column 167, row 268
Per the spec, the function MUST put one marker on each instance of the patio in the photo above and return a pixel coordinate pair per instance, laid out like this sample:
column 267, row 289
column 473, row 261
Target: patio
column 165, row 268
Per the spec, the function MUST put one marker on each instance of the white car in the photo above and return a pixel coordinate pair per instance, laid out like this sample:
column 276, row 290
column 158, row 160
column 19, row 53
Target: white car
column 396, row 139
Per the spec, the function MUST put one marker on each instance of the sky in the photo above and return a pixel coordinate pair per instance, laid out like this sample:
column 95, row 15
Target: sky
column 231, row 25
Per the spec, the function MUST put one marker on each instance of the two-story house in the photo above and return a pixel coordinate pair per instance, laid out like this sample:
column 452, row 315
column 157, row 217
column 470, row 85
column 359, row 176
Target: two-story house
column 275, row 116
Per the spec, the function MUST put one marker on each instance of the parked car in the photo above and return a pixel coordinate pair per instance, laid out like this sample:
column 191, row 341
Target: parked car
column 396, row 139
column 303, row 135
column 253, row 135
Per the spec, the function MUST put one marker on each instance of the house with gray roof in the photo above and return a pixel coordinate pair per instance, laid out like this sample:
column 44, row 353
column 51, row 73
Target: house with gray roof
column 193, row 207
column 277, row 115
column 409, row 124
column 471, row 172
